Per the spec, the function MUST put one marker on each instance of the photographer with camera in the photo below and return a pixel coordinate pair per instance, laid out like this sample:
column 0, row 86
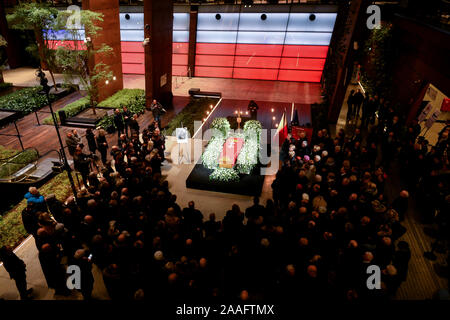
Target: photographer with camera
column 157, row 110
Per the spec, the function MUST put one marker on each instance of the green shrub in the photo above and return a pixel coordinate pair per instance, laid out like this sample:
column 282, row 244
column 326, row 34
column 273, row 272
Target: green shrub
column 13, row 165
column 25, row 100
column 134, row 99
column 122, row 97
column 5, row 85
column 71, row 109
column 12, row 231
column 195, row 110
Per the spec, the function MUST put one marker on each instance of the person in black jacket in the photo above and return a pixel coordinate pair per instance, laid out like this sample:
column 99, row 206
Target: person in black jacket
column 30, row 219
column 350, row 103
column 358, row 99
column 71, row 143
column 126, row 119
column 81, row 163
column 134, row 125
column 90, row 137
column 17, row 271
column 102, row 145
column 118, row 122
column 87, row 279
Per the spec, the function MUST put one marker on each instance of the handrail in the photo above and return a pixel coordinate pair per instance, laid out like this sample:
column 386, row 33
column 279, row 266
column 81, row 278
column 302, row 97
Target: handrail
column 11, row 167
column 31, row 148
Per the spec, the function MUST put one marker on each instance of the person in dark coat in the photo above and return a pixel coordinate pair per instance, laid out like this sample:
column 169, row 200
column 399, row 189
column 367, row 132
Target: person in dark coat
column 90, row 137
column 87, row 279
column 55, row 207
column 157, row 111
column 102, row 145
column 350, row 102
column 192, row 217
column 252, row 213
column 81, row 163
column 53, row 270
column 400, row 204
column 17, row 271
column 134, row 125
column 30, row 219
column 358, row 99
column 253, row 109
column 118, row 122
column 127, row 116
column 71, row 143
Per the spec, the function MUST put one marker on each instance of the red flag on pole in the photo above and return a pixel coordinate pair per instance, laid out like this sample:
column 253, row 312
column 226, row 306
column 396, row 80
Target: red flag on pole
column 282, row 130
column 445, row 107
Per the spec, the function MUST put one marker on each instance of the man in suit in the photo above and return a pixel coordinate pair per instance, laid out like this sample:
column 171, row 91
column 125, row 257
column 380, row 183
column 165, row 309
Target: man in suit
column 118, row 122
column 126, row 114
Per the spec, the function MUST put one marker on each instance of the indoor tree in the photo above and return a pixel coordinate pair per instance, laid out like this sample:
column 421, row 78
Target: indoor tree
column 38, row 17
column 76, row 57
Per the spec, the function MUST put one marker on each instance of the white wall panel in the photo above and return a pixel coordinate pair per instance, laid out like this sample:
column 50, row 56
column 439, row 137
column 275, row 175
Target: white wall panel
column 216, row 36
column 324, row 22
column 208, row 21
column 132, row 35
column 261, row 37
column 273, row 22
column 181, row 21
column 180, row 36
column 308, row 38
column 136, row 21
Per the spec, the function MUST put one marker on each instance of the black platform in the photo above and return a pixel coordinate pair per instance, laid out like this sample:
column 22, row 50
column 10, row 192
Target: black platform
column 249, row 184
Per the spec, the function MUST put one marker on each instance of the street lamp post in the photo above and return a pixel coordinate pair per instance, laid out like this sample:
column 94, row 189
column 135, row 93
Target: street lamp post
column 46, row 89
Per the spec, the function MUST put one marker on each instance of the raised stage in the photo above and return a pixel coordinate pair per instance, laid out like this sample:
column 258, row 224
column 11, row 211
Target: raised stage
column 248, row 184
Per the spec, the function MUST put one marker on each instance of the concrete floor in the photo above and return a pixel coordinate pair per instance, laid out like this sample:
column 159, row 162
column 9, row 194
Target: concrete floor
column 27, row 251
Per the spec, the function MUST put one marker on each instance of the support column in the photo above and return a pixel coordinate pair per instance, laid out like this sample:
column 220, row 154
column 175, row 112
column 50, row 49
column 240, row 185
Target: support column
column 158, row 29
column 192, row 40
column 11, row 49
column 354, row 16
column 110, row 35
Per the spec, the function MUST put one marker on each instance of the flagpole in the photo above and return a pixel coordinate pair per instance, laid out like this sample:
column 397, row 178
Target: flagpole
column 292, row 111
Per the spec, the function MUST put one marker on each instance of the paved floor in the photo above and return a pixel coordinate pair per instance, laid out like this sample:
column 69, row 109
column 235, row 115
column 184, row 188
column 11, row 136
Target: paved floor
column 27, row 251
column 277, row 91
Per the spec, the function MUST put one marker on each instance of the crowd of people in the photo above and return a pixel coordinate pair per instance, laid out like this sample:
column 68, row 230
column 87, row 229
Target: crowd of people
column 105, row 223
column 329, row 220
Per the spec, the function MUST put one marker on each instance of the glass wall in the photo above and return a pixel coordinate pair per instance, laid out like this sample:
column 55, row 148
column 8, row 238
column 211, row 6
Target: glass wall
column 132, row 36
column 266, row 46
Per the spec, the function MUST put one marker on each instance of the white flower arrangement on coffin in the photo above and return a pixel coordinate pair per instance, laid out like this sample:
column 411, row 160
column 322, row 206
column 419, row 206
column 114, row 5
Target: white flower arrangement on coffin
column 224, row 175
column 210, row 158
column 248, row 157
column 222, row 125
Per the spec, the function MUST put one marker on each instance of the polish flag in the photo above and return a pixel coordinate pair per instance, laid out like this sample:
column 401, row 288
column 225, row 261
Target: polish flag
column 445, row 105
column 282, row 130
